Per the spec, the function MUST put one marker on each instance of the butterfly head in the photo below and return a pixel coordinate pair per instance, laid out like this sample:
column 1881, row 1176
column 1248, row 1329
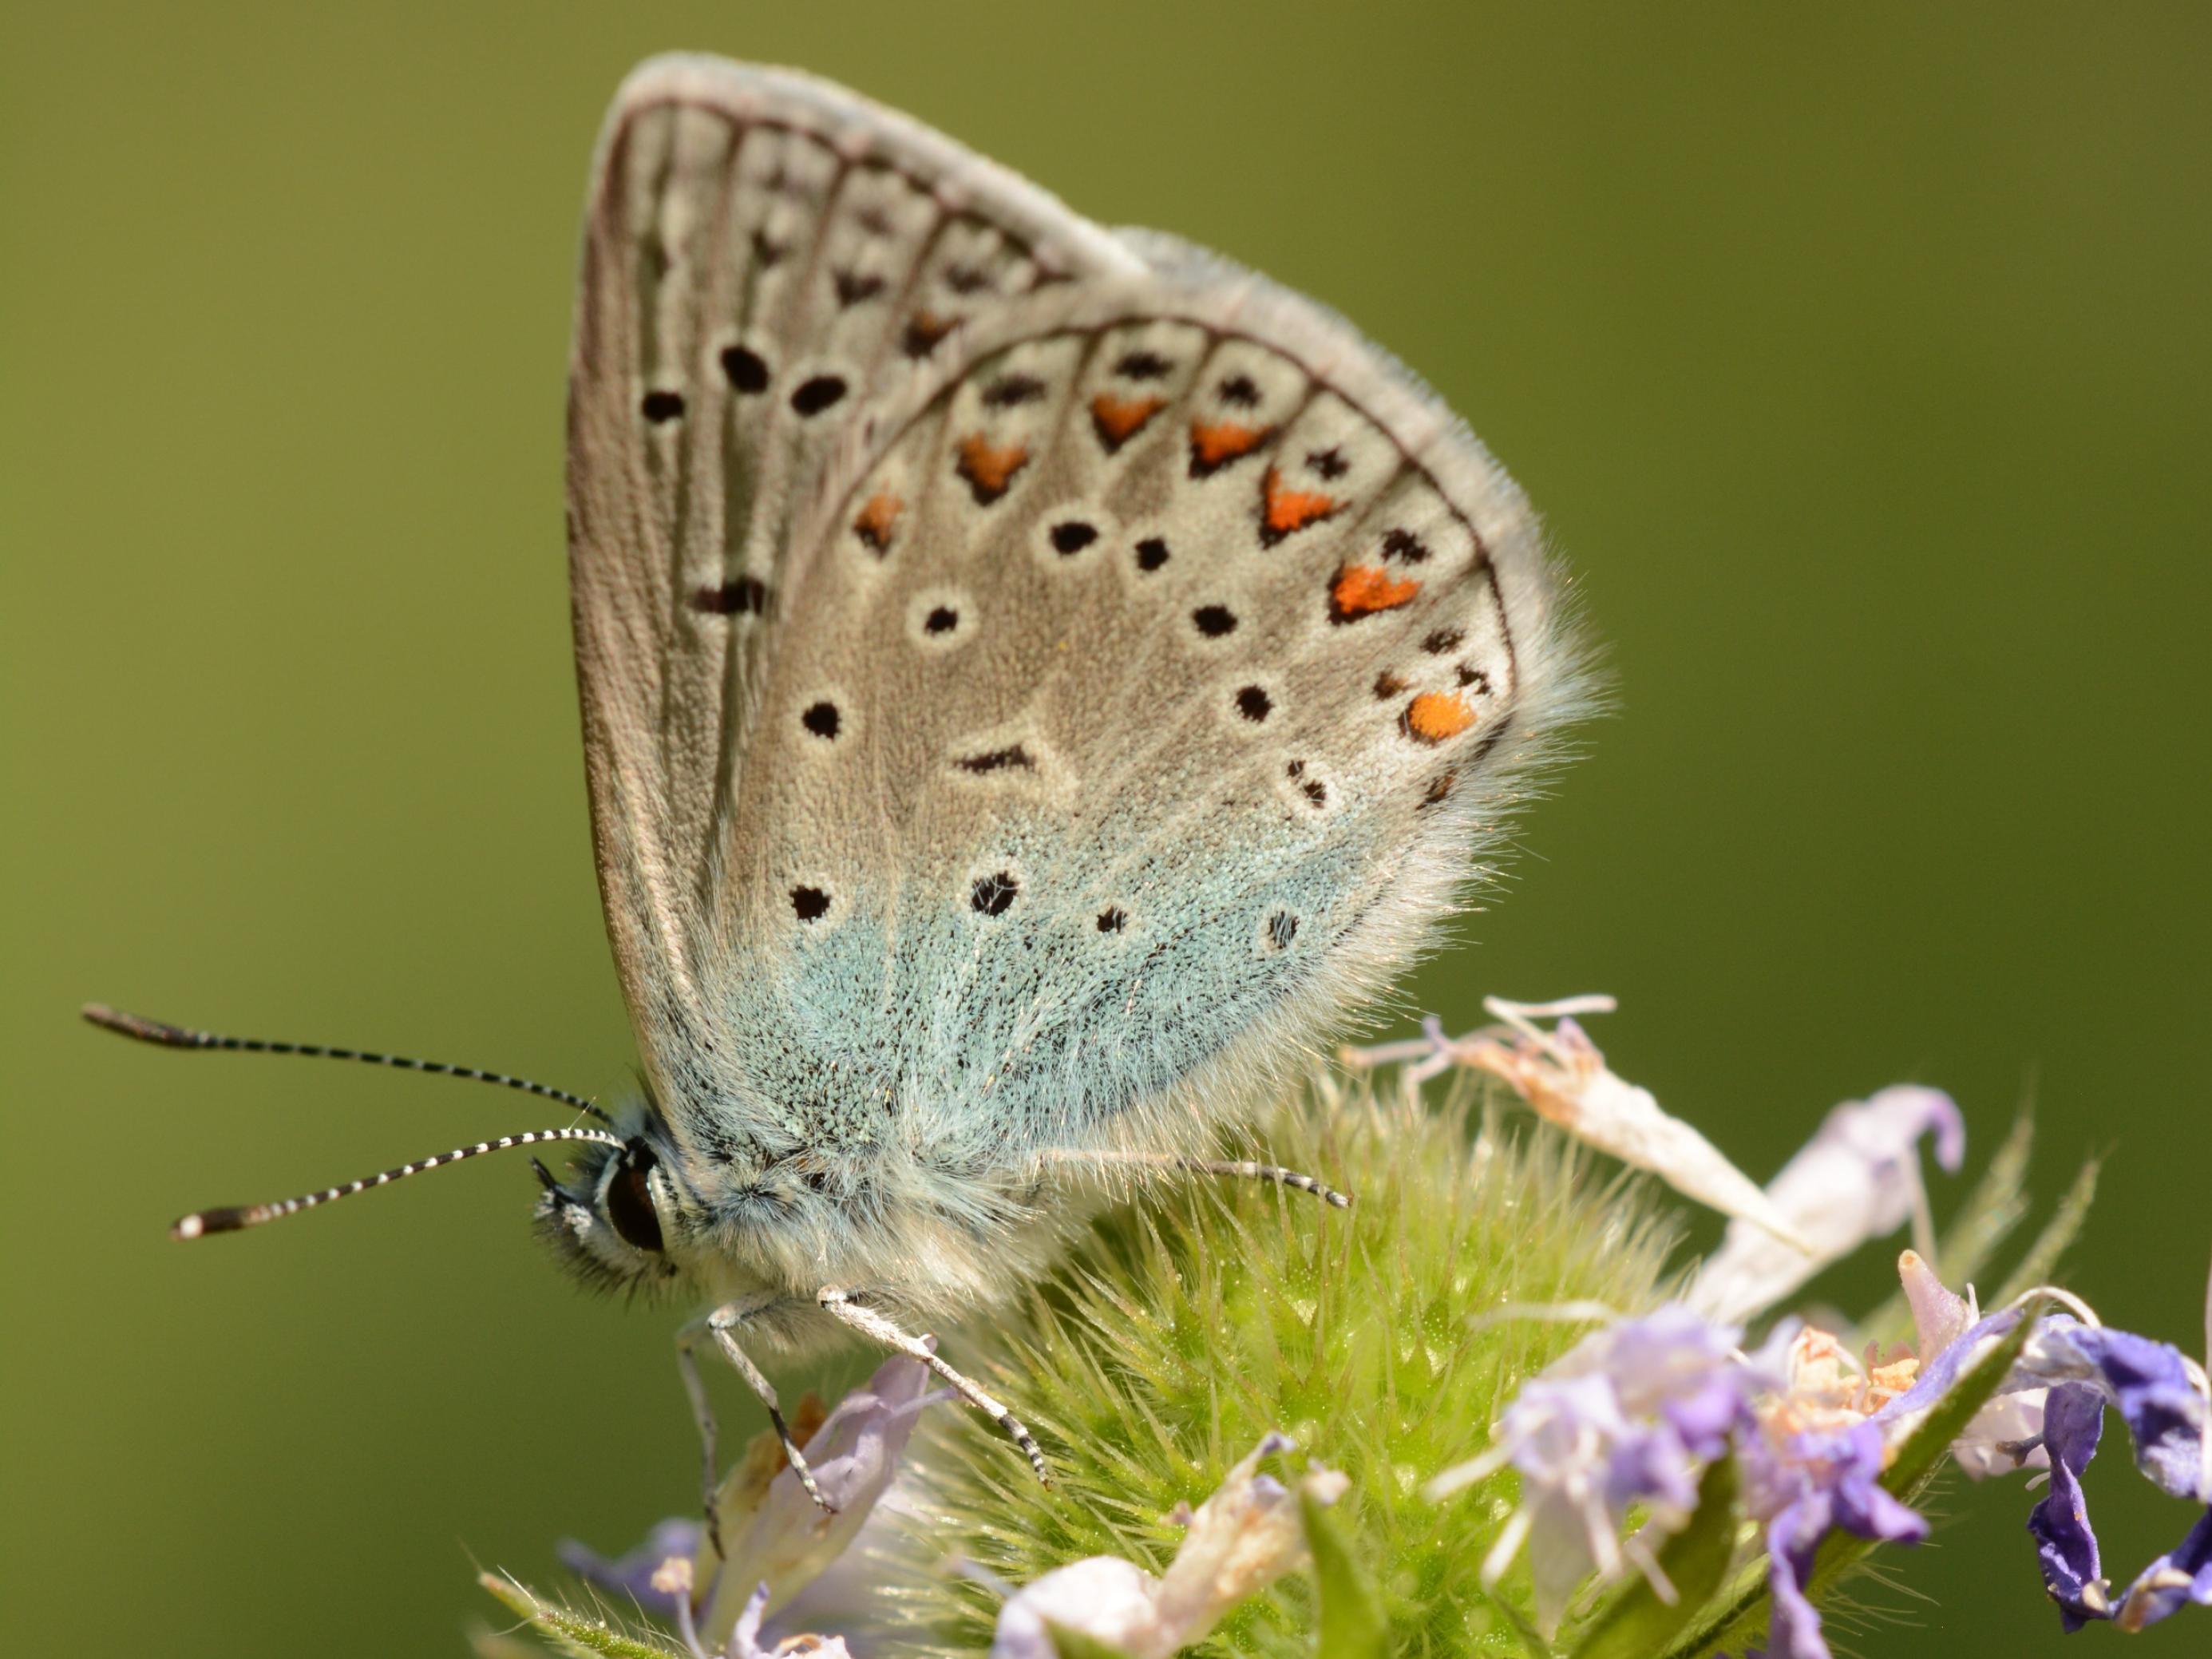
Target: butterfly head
column 612, row 1221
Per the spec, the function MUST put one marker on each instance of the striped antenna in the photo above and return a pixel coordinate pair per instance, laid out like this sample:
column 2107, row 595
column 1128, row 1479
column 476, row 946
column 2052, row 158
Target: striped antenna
column 179, row 1036
column 234, row 1218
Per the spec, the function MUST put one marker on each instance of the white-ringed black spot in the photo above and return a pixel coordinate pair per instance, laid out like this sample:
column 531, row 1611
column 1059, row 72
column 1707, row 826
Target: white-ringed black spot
column 1254, row 704
column 1315, row 791
column 994, row 895
column 1152, row 554
column 746, row 370
column 1072, row 536
column 1443, row 640
column 822, row 719
column 1112, row 918
column 811, row 396
column 1328, row 463
column 810, row 903
column 659, row 406
column 1214, row 620
column 1282, row 927
column 941, row 619
column 1238, row 390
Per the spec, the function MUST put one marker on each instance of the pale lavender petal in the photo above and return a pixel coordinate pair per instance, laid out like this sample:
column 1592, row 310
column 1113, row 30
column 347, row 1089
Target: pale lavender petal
column 1104, row 1597
column 1939, row 1317
column 1857, row 1179
column 632, row 1571
column 1627, row 1417
column 1810, row 1486
column 790, row 1539
column 1794, row 1623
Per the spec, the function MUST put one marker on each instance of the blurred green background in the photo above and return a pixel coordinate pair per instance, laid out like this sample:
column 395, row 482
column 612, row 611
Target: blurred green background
column 1861, row 360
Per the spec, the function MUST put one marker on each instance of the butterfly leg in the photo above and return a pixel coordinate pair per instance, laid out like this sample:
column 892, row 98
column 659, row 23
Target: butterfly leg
column 719, row 1325
column 1240, row 1169
column 841, row 1305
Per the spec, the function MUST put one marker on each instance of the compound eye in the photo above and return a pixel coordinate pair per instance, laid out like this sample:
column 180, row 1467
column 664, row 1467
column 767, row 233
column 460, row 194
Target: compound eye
column 630, row 1200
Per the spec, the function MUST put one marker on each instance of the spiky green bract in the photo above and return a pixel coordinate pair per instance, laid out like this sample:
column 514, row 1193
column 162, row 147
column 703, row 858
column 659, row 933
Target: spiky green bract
column 1189, row 1326
column 566, row 1630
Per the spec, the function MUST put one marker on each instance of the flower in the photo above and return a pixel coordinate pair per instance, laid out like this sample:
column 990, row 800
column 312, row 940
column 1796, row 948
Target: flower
column 637, row 1571
column 779, row 1540
column 1804, row 1486
column 745, row 1636
column 1858, row 1178
column 2161, row 1395
column 2007, row 1433
column 783, row 1538
column 1236, row 1543
column 2050, row 1413
column 1625, row 1417
column 1564, row 1076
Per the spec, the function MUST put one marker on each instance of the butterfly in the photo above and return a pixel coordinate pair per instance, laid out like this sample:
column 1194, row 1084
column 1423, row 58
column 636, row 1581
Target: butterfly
column 1036, row 680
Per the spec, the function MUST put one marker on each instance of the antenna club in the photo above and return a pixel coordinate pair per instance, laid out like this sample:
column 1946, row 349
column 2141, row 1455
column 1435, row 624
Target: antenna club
column 229, row 1219
column 137, row 1025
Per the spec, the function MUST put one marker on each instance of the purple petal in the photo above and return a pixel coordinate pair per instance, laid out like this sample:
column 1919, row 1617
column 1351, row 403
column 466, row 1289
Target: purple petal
column 1817, row 1483
column 2073, row 1420
column 1792, row 1539
column 2174, row 1580
column 1940, row 1374
column 2147, row 1381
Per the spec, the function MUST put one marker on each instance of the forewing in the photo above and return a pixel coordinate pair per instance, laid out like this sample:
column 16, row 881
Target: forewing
column 1155, row 676
column 764, row 256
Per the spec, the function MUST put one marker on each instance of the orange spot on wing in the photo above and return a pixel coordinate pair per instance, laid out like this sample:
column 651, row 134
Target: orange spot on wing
column 877, row 518
column 1434, row 715
column 1214, row 444
column 1117, row 419
column 989, row 468
column 1361, row 590
column 1285, row 512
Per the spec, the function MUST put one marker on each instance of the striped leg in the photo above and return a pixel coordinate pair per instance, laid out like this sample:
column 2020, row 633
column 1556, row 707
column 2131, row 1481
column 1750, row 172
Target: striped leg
column 719, row 1325
column 872, row 1325
column 1241, row 1168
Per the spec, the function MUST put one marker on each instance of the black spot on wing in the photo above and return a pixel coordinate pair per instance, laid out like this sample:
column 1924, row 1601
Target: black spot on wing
column 822, row 392
column 1013, row 756
column 745, row 368
column 743, row 596
column 994, row 895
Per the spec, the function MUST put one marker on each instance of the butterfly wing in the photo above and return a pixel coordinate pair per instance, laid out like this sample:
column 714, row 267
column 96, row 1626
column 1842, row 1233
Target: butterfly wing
column 764, row 254
column 1154, row 676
